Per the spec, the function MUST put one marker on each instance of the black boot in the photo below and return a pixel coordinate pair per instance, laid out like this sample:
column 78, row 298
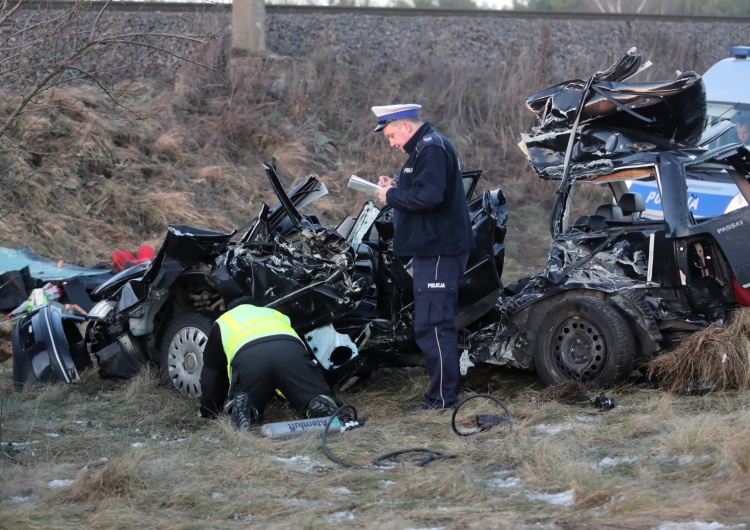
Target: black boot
column 321, row 406
column 244, row 414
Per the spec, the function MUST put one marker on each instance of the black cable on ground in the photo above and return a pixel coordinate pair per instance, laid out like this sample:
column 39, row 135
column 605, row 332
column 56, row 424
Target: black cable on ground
column 352, row 420
column 485, row 422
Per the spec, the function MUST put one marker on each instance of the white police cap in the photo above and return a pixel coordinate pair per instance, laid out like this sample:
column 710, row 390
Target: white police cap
column 388, row 113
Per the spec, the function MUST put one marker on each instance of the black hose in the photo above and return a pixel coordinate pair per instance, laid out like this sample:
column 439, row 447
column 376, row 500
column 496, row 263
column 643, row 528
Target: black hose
column 484, row 422
column 378, row 461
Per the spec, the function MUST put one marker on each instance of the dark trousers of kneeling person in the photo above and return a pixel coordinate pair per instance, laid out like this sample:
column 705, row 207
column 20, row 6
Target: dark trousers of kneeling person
column 260, row 352
column 436, row 280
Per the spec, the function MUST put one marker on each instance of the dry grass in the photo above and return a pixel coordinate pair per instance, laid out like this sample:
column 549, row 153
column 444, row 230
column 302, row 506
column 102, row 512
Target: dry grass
column 127, row 454
column 716, row 358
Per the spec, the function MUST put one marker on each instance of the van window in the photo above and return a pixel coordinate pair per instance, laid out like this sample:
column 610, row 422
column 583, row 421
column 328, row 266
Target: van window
column 738, row 113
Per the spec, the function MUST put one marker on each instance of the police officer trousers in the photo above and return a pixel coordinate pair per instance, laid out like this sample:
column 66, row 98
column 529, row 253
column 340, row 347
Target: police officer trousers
column 436, row 281
column 281, row 363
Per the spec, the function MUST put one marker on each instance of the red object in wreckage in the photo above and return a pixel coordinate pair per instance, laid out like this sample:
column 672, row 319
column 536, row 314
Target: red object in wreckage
column 124, row 258
column 742, row 294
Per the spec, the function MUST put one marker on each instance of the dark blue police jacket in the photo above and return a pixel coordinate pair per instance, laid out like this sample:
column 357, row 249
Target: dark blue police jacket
column 431, row 217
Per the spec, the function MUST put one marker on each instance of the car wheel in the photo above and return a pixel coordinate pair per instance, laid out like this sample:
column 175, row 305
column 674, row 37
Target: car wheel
column 584, row 339
column 181, row 353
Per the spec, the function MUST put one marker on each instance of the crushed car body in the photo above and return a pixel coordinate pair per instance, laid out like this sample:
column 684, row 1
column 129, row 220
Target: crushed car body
column 343, row 289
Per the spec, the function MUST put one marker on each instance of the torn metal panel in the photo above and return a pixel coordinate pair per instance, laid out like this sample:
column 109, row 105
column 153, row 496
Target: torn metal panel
column 673, row 109
column 500, row 345
column 596, row 151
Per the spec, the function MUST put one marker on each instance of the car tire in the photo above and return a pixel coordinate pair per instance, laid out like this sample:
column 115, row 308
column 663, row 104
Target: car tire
column 181, row 352
column 585, row 339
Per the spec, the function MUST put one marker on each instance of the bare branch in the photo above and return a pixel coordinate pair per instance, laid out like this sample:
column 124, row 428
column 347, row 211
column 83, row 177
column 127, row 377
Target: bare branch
column 10, row 12
column 44, row 49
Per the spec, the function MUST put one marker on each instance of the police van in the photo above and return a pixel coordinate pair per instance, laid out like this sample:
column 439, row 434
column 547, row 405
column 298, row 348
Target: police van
column 727, row 98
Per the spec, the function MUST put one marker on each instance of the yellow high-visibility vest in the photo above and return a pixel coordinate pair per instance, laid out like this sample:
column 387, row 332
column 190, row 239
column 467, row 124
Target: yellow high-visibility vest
column 246, row 323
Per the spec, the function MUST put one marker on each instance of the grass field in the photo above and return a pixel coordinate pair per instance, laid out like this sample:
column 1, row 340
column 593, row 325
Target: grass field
column 134, row 454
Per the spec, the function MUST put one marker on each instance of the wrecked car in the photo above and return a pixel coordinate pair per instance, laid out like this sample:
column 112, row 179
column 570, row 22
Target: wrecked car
column 620, row 287
column 342, row 288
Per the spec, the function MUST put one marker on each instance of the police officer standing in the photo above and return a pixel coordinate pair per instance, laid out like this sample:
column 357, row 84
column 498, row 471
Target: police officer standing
column 432, row 227
column 250, row 352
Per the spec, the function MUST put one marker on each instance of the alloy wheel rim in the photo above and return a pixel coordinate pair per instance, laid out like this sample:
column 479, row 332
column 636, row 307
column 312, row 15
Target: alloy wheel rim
column 185, row 360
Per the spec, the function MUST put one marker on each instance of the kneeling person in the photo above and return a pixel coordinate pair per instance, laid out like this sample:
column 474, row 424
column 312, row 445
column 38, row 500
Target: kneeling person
column 250, row 352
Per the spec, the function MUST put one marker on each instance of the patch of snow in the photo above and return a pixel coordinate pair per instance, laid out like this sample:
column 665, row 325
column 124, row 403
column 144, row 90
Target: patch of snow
column 60, row 483
column 510, row 482
column 155, row 436
column 19, row 445
column 385, row 483
column 551, row 430
column 171, row 442
column 341, row 490
column 588, row 419
column 680, row 459
column 340, row 516
column 17, row 500
column 611, row 462
column 52, row 434
column 211, row 440
column 565, row 498
column 104, row 459
column 669, row 525
column 292, row 459
column 217, row 495
column 301, row 463
column 138, row 444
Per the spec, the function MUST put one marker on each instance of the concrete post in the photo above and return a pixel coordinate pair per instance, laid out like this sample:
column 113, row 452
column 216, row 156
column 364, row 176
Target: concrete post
column 248, row 27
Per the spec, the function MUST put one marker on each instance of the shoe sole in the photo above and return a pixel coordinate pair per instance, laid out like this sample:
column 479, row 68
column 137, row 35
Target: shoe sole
column 239, row 413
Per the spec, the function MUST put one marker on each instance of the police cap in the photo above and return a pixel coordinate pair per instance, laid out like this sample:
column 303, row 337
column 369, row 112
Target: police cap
column 389, row 113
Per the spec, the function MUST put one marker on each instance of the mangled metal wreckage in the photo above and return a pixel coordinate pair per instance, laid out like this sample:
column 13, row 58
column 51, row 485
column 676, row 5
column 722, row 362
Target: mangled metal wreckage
column 342, row 288
column 619, row 287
